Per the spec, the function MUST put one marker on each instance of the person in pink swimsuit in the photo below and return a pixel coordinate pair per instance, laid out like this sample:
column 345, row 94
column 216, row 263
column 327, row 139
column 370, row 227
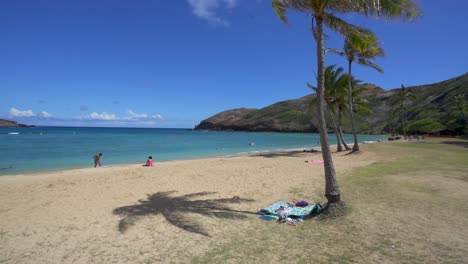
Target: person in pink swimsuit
column 149, row 162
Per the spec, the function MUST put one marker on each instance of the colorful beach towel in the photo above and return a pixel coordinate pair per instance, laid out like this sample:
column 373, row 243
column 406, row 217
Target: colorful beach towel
column 283, row 211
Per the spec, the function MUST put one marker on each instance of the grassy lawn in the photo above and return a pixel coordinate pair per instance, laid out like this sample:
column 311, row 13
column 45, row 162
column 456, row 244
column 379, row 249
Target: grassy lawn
column 410, row 206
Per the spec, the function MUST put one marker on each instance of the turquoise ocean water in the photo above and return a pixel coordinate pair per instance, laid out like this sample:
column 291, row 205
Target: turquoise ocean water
column 38, row 149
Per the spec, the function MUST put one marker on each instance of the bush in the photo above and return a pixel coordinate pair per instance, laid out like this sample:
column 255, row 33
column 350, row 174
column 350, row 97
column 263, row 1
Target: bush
column 425, row 125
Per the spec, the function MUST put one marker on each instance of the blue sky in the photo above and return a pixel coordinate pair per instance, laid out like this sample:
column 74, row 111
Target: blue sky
column 156, row 63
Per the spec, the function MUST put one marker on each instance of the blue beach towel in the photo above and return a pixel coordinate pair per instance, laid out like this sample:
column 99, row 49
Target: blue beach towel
column 273, row 208
column 284, row 210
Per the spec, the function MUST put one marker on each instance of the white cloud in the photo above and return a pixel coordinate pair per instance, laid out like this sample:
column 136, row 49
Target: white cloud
column 102, row 116
column 147, row 117
column 206, row 9
column 157, row 117
column 19, row 113
column 132, row 117
column 135, row 115
column 129, row 119
column 45, row 114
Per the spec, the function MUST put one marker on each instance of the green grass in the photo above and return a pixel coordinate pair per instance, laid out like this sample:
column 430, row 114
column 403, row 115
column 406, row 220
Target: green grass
column 410, row 206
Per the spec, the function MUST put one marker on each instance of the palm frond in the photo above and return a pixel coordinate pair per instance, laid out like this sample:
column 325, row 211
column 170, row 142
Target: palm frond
column 363, row 49
column 342, row 27
column 280, row 10
column 312, row 87
column 368, row 63
column 336, row 51
column 281, row 6
column 393, row 9
column 364, row 40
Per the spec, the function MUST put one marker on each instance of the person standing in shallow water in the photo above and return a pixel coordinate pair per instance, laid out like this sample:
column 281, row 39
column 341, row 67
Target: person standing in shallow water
column 97, row 160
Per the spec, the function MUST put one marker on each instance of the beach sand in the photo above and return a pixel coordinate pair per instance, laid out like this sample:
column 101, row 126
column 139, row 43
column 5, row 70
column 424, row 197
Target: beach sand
column 171, row 212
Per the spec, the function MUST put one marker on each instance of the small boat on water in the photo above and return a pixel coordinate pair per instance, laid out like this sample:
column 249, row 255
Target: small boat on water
column 13, row 133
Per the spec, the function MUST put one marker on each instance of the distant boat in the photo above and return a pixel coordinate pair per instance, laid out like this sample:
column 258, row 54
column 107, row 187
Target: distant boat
column 13, row 133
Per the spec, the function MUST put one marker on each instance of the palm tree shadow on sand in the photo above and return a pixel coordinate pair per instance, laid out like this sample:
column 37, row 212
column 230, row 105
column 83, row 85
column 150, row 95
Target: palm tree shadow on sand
column 175, row 210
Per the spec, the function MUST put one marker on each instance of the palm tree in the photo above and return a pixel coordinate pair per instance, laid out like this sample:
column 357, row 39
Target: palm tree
column 335, row 88
column 331, row 110
column 322, row 12
column 363, row 53
column 404, row 95
column 342, row 102
column 338, row 94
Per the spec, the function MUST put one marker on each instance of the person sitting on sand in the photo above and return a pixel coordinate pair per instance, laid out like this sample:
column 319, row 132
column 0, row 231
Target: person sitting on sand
column 149, row 162
column 97, row 160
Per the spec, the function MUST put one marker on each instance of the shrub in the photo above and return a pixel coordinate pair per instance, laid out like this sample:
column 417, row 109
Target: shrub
column 425, row 125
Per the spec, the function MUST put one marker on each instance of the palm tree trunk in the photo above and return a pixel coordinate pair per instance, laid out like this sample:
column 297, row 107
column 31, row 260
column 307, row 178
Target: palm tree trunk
column 351, row 113
column 403, row 127
column 464, row 117
column 402, row 121
column 332, row 192
column 339, row 147
column 341, row 132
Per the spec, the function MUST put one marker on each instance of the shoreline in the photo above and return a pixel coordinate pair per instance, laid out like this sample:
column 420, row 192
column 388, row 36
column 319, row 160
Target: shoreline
column 127, row 146
column 242, row 154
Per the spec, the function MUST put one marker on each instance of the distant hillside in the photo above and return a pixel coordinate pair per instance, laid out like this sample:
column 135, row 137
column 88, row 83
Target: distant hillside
column 9, row 123
column 432, row 100
column 287, row 116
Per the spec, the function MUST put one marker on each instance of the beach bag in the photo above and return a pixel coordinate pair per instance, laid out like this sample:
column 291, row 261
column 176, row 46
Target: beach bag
column 302, row 204
column 318, row 209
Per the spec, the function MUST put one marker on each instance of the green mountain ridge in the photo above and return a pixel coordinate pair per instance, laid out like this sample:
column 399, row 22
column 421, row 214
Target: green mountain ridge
column 432, row 101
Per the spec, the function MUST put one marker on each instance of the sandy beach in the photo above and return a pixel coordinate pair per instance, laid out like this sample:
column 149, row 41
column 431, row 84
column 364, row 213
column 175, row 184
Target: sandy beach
column 171, row 212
